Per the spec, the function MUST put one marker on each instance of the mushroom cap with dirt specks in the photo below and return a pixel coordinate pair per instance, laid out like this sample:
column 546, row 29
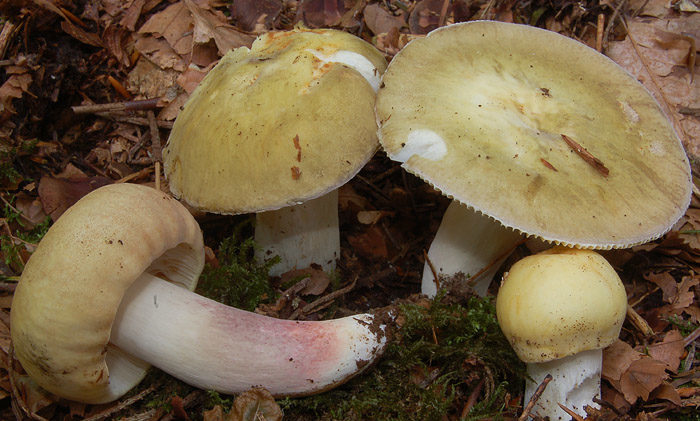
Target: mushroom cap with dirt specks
column 72, row 286
column 287, row 120
column 481, row 110
column 560, row 302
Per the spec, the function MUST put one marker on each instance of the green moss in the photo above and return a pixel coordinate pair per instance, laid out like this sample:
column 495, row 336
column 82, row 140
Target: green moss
column 418, row 378
column 238, row 280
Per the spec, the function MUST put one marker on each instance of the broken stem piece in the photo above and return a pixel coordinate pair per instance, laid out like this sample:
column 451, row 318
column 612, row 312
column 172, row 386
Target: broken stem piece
column 586, row 156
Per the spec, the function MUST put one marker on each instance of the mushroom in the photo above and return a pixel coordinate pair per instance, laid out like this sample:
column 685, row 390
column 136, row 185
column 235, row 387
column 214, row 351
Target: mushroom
column 108, row 292
column 276, row 129
column 536, row 131
column 559, row 308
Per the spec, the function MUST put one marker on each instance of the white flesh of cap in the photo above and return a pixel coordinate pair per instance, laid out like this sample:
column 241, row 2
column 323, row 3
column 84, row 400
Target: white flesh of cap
column 301, row 235
column 467, row 242
column 212, row 346
column 355, row 61
column 575, row 382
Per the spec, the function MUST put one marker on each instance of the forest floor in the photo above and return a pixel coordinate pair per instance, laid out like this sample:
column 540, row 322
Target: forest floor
column 74, row 75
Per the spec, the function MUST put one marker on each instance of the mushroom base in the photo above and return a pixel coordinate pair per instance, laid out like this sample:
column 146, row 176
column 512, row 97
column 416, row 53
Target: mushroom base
column 300, row 235
column 575, row 382
column 467, row 242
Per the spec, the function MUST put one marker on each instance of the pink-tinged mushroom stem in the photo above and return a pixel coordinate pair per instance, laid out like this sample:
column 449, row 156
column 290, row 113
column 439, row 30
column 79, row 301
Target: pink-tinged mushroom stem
column 212, row 346
column 300, row 235
column 467, row 242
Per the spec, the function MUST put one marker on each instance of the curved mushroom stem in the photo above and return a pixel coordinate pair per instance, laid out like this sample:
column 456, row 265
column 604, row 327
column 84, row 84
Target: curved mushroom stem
column 575, row 382
column 301, row 235
column 467, row 242
column 212, row 346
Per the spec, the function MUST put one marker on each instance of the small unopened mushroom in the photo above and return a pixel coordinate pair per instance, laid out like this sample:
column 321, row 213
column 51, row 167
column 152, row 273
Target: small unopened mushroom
column 107, row 292
column 559, row 309
column 275, row 130
column 536, row 131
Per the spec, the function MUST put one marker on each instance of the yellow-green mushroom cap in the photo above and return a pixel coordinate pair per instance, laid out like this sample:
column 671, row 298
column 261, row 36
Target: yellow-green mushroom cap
column 484, row 111
column 287, row 120
column 560, row 302
column 72, row 286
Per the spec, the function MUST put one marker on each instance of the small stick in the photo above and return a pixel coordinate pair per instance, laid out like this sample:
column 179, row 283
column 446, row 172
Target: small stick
column 548, row 165
column 471, row 400
column 600, row 30
column 311, row 307
column 432, row 269
column 497, row 259
column 692, row 337
column 535, row 396
column 121, row 90
column 573, row 415
column 155, row 145
column 586, row 156
column 121, row 405
column 639, row 322
column 443, row 13
column 145, row 104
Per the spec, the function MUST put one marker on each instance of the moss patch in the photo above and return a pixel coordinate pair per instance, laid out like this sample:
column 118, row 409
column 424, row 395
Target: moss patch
column 445, row 350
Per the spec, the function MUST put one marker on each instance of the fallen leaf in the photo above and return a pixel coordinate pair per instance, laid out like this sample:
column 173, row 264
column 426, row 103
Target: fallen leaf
column 255, row 405
column 426, row 16
column 315, row 279
column 616, row 360
column 370, row 243
column 669, row 351
column 655, row 52
column 666, row 282
column 379, row 20
column 667, row 392
column 57, row 194
column 256, row 16
column 321, row 13
column 212, row 25
column 641, row 378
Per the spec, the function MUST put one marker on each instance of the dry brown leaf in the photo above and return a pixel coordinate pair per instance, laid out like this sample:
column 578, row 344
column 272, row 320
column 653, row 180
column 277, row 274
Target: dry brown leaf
column 57, row 194
column 4, row 340
column 321, row 13
column 370, row 244
column 667, row 392
column 174, row 23
column 132, row 14
column 212, row 25
column 641, row 378
column 616, row 360
column 666, row 282
column 14, row 87
column 256, row 16
column 158, row 51
column 669, row 351
column 426, row 16
column 379, row 20
column 148, row 80
column 256, row 404
column 663, row 50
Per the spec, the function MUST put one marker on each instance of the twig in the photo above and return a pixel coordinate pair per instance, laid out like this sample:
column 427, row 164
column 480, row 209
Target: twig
column 144, row 104
column 574, row 415
column 611, row 22
column 313, row 306
column 155, row 145
column 692, row 337
column 533, row 399
column 121, row 90
column 496, row 260
column 443, row 12
column 121, row 405
column 639, row 322
column 471, row 400
column 591, row 160
column 600, row 29
column 139, row 121
column 436, row 279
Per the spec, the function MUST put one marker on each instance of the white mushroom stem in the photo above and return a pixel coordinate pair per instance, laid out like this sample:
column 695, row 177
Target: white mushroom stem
column 212, row 346
column 467, row 242
column 300, row 235
column 575, row 382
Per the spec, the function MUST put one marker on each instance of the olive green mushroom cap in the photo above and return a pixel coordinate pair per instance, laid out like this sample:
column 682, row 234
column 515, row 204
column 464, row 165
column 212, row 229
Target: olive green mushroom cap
column 492, row 114
column 72, row 286
column 560, row 302
column 287, row 120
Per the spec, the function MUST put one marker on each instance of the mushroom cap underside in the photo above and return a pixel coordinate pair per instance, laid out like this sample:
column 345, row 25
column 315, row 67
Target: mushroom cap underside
column 287, row 120
column 560, row 302
column 72, row 286
column 495, row 114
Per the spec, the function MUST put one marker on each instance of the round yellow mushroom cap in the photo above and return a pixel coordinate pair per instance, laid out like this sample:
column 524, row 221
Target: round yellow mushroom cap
column 70, row 289
column 536, row 130
column 287, row 120
column 560, row 302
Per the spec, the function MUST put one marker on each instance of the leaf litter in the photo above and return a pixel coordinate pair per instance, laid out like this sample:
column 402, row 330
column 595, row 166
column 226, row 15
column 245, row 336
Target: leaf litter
column 58, row 56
